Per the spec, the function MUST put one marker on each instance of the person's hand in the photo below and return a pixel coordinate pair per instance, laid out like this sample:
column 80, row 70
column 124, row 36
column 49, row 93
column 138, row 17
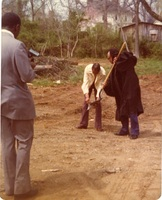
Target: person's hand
column 87, row 98
column 98, row 98
column 115, row 59
column 33, row 64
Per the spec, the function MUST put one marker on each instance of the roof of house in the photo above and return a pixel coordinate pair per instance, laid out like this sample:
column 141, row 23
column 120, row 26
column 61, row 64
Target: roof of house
column 146, row 23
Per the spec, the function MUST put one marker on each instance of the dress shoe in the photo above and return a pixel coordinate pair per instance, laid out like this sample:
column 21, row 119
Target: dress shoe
column 81, row 127
column 122, row 133
column 99, row 129
column 133, row 137
column 27, row 195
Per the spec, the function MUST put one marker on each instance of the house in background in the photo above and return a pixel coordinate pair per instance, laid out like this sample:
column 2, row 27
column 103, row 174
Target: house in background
column 149, row 31
column 118, row 19
column 115, row 17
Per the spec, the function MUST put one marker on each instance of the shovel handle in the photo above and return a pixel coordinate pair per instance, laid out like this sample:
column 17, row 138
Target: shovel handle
column 105, row 81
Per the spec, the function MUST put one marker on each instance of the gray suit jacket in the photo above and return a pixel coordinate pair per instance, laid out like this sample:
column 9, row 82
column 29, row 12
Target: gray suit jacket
column 16, row 71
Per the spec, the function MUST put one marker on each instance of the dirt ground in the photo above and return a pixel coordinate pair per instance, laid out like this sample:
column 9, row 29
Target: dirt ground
column 72, row 164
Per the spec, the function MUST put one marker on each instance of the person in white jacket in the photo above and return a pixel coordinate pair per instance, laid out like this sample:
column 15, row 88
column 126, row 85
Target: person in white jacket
column 93, row 79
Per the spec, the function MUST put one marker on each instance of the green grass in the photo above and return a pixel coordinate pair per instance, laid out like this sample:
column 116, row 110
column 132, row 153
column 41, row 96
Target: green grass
column 146, row 66
column 44, row 82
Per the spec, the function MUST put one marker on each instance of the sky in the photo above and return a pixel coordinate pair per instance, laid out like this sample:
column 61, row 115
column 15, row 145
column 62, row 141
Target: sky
column 63, row 10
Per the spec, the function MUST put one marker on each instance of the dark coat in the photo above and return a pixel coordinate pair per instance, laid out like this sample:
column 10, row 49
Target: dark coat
column 123, row 84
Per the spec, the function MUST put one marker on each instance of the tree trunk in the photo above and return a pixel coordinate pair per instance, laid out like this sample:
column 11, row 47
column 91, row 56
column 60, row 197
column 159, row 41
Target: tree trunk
column 76, row 41
column 20, row 8
column 137, row 29
column 150, row 11
column 32, row 9
column 105, row 12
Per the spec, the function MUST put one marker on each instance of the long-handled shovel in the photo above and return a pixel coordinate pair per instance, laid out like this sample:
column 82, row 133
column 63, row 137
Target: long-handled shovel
column 105, row 81
column 93, row 103
column 121, row 49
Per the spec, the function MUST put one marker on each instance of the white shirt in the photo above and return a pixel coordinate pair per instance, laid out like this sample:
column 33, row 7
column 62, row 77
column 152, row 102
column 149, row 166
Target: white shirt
column 6, row 31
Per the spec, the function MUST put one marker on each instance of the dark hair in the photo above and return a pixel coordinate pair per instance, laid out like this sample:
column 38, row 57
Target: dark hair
column 96, row 67
column 113, row 52
column 10, row 19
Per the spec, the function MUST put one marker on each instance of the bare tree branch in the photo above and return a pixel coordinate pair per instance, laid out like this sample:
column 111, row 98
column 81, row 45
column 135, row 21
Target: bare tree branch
column 150, row 11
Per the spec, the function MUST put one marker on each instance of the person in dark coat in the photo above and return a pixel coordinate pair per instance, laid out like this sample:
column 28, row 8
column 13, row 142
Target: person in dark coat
column 123, row 84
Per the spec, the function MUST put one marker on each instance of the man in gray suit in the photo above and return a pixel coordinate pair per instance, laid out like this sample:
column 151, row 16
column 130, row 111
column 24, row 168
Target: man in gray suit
column 17, row 110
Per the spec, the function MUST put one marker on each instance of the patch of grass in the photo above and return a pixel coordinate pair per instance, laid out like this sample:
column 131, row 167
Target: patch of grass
column 148, row 66
column 44, row 82
column 78, row 76
column 145, row 66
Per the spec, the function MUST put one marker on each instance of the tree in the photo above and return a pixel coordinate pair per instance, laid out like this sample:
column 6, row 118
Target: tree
column 71, row 26
column 150, row 11
column 134, row 5
column 17, row 6
column 137, row 28
column 25, row 8
column 37, row 6
column 145, row 16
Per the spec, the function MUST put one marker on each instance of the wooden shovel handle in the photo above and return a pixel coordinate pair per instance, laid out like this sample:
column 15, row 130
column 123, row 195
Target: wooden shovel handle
column 105, row 81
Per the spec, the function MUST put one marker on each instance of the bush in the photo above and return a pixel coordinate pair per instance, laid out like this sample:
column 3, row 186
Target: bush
column 92, row 43
column 150, row 49
column 95, row 42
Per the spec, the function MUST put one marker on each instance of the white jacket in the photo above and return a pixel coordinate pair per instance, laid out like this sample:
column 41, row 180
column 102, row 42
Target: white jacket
column 89, row 77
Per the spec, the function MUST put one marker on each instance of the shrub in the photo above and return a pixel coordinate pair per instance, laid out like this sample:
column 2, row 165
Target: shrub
column 150, row 49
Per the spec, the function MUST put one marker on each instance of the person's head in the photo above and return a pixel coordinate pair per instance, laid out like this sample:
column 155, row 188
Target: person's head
column 111, row 54
column 96, row 68
column 11, row 22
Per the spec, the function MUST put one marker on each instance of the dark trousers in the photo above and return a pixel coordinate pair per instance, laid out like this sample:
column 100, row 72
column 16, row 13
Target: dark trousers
column 133, row 122
column 85, row 112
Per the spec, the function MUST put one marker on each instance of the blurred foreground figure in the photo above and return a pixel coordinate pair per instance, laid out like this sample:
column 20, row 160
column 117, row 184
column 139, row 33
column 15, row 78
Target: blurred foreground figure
column 17, row 110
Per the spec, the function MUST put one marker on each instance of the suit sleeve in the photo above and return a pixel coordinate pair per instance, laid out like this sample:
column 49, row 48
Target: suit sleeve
column 23, row 65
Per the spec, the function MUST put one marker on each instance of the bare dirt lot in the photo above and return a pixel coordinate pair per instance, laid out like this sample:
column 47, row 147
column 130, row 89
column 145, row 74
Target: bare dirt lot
column 72, row 164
